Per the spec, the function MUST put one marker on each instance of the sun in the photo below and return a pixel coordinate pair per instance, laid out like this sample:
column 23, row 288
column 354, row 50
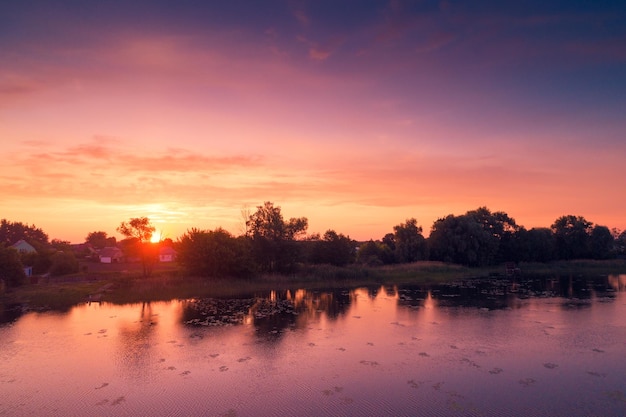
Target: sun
column 156, row 237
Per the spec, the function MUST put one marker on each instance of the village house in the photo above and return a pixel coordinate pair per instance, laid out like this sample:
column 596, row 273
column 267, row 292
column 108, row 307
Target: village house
column 167, row 254
column 24, row 247
column 110, row 255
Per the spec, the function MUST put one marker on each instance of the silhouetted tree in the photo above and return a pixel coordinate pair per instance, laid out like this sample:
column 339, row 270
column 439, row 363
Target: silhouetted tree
column 140, row 229
column 335, row 249
column 534, row 245
column 63, row 263
column 274, row 239
column 464, row 240
column 620, row 242
column 374, row 253
column 571, row 235
column 601, row 243
column 390, row 240
column 11, row 232
column 502, row 228
column 100, row 240
column 213, row 253
column 11, row 268
column 410, row 244
column 61, row 245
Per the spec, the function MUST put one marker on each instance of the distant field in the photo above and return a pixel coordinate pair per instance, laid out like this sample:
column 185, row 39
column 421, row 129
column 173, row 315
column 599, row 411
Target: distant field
column 124, row 282
column 130, row 267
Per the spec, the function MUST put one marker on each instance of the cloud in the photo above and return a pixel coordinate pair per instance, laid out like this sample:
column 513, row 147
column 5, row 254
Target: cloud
column 121, row 159
column 322, row 51
column 15, row 86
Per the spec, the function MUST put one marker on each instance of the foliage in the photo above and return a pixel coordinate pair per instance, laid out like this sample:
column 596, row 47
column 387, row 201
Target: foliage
column 11, row 269
column 274, row 240
column 477, row 238
column 213, row 253
column 534, row 245
column 409, row 243
column 462, row 240
column 373, row 253
column 40, row 261
column 63, row 263
column 11, row 232
column 601, row 243
column 141, row 230
column 571, row 236
column 390, row 240
column 334, row 249
column 620, row 242
column 60, row 245
column 100, row 240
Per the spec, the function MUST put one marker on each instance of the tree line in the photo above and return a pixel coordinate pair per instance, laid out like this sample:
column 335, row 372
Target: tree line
column 477, row 238
column 272, row 244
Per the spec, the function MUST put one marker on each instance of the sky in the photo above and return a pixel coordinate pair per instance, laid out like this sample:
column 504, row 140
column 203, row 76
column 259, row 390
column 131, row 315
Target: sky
column 355, row 114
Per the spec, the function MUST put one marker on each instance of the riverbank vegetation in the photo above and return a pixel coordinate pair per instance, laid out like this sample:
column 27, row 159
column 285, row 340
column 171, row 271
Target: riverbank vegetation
column 275, row 253
column 130, row 286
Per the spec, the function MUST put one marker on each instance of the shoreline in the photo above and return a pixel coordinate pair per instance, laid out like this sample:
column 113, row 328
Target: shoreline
column 128, row 286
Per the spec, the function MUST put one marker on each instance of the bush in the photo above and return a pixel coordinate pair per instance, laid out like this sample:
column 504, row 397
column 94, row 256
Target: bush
column 11, row 269
column 63, row 263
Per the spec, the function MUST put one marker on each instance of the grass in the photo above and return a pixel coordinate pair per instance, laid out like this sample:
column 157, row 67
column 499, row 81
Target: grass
column 128, row 286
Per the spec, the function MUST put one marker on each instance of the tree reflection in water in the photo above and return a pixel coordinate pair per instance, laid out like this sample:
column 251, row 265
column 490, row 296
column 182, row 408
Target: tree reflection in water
column 136, row 340
column 271, row 313
column 497, row 293
column 274, row 312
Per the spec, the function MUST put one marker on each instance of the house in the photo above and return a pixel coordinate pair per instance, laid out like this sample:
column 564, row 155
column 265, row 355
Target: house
column 110, row 255
column 167, row 254
column 23, row 246
column 84, row 250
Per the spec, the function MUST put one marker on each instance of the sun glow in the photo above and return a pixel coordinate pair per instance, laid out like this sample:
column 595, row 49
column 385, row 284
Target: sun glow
column 156, row 237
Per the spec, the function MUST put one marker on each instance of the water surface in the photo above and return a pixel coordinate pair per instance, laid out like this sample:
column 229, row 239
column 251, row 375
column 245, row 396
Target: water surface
column 549, row 347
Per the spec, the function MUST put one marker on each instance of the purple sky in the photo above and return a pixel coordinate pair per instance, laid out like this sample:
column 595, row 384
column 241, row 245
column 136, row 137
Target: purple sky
column 355, row 114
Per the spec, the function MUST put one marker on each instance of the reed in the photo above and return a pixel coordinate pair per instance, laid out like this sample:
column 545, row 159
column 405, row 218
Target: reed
column 119, row 287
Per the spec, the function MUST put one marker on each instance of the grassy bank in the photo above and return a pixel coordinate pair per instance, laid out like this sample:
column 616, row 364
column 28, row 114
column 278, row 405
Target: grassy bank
column 128, row 286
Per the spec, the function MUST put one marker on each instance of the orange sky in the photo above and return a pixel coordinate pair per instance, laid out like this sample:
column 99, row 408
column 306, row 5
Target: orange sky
column 355, row 119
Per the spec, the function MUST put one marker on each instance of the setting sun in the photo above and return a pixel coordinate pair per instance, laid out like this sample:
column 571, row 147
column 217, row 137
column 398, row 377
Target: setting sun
column 156, row 237
column 355, row 119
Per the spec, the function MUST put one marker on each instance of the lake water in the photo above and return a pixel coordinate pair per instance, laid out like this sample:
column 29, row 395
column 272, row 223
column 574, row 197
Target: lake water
column 548, row 347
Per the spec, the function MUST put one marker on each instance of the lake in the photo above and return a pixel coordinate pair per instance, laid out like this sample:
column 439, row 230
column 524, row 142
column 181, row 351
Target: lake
column 537, row 347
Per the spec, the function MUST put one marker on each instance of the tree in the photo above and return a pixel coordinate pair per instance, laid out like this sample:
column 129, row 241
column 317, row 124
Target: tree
column 141, row 230
column 620, row 242
column 273, row 239
column 571, row 235
column 601, row 243
column 410, row 244
column 374, row 253
column 333, row 248
column 11, row 269
column 534, row 245
column 61, row 245
column 100, row 240
column 390, row 240
column 63, row 263
column 464, row 240
column 212, row 253
column 11, row 232
column 502, row 228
